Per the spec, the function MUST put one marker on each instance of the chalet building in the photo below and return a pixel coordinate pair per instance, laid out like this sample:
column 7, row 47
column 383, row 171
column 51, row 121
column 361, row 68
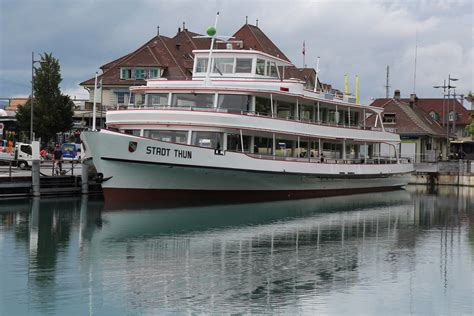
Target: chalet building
column 172, row 58
column 423, row 138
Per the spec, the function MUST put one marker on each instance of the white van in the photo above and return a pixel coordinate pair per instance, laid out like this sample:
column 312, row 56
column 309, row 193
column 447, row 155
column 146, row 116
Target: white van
column 23, row 155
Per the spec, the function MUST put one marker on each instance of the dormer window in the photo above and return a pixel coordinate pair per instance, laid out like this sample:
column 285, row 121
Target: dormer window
column 434, row 116
column 452, row 116
column 139, row 73
column 389, row 118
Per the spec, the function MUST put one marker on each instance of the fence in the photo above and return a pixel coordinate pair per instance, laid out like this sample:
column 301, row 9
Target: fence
column 457, row 167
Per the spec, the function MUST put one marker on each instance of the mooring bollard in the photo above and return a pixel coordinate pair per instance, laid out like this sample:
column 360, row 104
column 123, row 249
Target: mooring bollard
column 35, row 177
column 85, row 179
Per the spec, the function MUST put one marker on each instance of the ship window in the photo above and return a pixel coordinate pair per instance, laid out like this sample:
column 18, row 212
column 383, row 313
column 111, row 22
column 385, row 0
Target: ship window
column 271, row 69
column 283, row 147
column 158, row 99
column 263, row 106
column 333, row 116
column 135, row 132
column 332, row 150
column 234, row 142
column 223, row 65
column 351, row 117
column 201, row 65
column 243, row 65
column 306, row 112
column 263, row 146
column 180, row 137
column 234, row 102
column 285, row 109
column 323, row 115
column 137, row 99
column 260, row 70
column 193, row 100
column 207, row 139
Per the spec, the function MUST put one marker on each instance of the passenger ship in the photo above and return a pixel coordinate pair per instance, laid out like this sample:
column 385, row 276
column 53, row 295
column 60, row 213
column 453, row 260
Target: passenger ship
column 240, row 131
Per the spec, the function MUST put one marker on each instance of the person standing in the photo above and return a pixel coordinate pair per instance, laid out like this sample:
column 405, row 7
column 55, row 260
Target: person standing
column 58, row 157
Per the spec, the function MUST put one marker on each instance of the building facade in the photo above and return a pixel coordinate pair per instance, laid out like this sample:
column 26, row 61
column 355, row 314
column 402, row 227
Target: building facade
column 423, row 138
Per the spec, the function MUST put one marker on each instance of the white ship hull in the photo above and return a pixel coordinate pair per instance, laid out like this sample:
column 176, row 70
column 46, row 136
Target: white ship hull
column 142, row 169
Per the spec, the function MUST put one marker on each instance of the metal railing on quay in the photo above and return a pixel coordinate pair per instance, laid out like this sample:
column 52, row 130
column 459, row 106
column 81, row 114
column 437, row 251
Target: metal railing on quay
column 62, row 168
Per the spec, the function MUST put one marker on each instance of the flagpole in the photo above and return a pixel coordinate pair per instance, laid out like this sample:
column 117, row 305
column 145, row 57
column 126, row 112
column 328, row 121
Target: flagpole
column 304, row 54
column 211, row 33
column 94, row 106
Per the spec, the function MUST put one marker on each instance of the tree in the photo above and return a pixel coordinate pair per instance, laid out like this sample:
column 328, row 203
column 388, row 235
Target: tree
column 52, row 111
column 470, row 129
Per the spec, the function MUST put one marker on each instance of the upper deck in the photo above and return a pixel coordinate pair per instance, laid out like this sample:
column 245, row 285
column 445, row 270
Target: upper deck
column 244, row 71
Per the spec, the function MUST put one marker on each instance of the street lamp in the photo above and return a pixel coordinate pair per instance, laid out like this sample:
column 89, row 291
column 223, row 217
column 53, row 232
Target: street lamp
column 33, row 61
column 454, row 104
column 445, row 116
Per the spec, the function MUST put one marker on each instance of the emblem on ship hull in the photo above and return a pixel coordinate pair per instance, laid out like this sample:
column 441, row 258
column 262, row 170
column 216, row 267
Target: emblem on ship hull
column 132, row 146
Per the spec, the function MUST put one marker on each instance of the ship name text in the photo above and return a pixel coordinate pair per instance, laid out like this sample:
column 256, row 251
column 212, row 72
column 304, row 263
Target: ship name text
column 166, row 152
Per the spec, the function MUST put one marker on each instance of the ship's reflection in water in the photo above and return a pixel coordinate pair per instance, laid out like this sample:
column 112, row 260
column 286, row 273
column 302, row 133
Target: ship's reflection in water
column 398, row 252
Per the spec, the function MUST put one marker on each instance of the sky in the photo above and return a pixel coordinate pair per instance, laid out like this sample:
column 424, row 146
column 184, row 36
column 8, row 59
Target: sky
column 360, row 37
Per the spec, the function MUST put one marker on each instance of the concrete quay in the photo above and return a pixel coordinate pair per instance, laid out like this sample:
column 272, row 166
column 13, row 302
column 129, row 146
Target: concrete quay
column 454, row 173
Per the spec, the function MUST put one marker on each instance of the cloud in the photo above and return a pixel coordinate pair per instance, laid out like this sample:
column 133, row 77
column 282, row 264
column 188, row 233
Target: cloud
column 351, row 37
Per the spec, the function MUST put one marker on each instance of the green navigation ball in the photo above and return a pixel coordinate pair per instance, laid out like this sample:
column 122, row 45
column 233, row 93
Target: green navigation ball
column 211, row 31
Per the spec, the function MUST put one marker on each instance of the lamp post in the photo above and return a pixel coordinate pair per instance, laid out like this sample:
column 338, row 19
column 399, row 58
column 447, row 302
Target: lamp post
column 454, row 104
column 33, row 61
column 447, row 87
column 445, row 116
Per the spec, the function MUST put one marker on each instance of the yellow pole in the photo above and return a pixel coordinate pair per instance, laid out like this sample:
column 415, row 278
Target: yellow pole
column 357, row 89
column 346, row 85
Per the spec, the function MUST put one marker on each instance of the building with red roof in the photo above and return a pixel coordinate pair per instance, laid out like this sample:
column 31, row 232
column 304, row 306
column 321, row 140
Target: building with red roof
column 423, row 138
column 172, row 58
column 447, row 111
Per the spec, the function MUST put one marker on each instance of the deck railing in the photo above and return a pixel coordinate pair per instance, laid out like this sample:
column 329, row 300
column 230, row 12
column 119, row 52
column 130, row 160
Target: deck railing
column 360, row 125
column 352, row 161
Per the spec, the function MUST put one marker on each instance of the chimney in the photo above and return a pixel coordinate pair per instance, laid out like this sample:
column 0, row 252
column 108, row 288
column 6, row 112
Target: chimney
column 396, row 95
column 413, row 100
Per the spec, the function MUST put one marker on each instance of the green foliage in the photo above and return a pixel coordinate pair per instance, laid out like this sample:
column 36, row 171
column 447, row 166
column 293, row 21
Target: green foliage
column 52, row 111
column 470, row 97
column 470, row 129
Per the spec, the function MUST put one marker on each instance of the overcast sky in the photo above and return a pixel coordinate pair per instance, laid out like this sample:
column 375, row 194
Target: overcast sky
column 351, row 37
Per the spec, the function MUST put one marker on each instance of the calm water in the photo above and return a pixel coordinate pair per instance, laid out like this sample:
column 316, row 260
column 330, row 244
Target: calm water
column 392, row 253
